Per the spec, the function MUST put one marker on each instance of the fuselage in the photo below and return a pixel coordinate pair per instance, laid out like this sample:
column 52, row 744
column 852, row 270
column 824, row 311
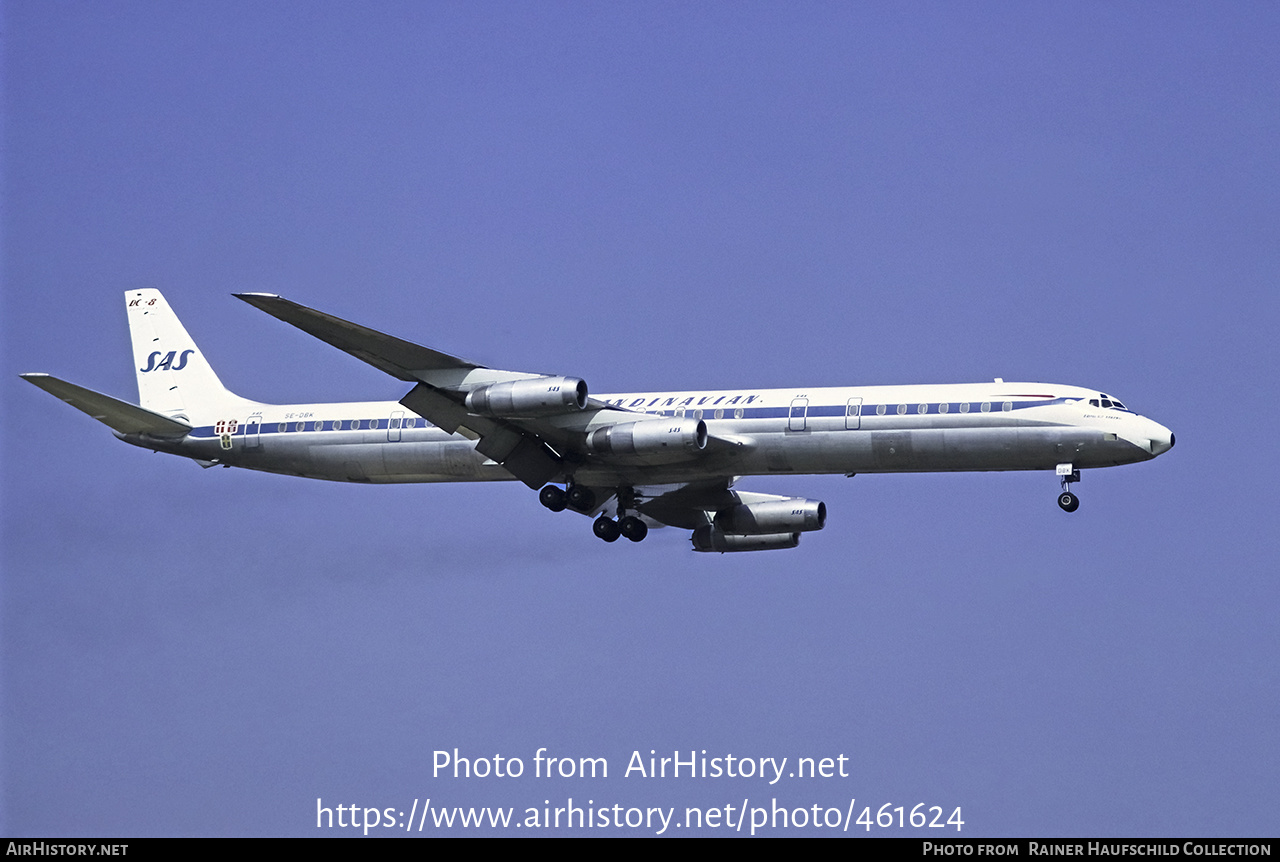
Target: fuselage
column 870, row 429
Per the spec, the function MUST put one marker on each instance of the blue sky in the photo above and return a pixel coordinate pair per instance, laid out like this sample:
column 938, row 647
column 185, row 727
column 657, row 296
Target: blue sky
column 649, row 196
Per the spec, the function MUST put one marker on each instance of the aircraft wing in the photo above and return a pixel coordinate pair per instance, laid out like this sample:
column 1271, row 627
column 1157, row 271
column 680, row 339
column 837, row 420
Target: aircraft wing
column 533, row 446
column 530, row 449
column 120, row 416
column 687, row 506
column 397, row 357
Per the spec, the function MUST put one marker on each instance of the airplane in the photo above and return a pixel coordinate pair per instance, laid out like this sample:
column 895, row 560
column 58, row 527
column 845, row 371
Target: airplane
column 651, row 458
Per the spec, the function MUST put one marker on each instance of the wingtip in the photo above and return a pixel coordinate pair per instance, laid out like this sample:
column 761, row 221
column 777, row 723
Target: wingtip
column 250, row 296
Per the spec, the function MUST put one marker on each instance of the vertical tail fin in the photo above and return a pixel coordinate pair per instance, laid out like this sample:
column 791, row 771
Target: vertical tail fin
column 173, row 375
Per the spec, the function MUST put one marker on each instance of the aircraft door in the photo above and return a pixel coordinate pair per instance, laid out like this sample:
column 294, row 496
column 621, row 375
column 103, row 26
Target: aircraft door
column 394, row 425
column 853, row 414
column 252, row 427
column 799, row 413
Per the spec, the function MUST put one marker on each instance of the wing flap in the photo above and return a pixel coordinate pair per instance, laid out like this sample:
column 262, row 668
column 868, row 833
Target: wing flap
column 521, row 454
column 688, row 506
column 120, row 416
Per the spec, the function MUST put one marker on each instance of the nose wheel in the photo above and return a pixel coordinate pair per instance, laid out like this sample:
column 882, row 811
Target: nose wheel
column 1067, row 501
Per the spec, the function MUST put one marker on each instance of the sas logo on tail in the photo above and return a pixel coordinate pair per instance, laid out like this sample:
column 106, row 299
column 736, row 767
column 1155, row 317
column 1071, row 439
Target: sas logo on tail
column 167, row 362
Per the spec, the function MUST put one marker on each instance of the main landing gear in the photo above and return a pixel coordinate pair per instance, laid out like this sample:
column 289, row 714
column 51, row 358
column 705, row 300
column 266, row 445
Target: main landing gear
column 580, row 498
column 583, row 499
column 1067, row 501
column 629, row 526
column 553, row 498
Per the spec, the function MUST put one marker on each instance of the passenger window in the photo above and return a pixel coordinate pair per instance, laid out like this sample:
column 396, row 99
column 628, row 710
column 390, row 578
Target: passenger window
column 1006, row 406
column 923, row 408
column 943, row 408
column 719, row 413
column 737, row 414
column 964, row 407
column 879, row 409
column 986, row 406
column 902, row 408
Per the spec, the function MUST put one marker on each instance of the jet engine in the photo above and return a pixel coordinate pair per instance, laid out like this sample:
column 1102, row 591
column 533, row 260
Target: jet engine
column 796, row 515
column 652, row 441
column 712, row 539
column 537, row 396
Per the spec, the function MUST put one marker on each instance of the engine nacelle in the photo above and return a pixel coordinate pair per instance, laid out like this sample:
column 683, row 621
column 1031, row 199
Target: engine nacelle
column 651, row 440
column 796, row 515
column 712, row 539
column 538, row 396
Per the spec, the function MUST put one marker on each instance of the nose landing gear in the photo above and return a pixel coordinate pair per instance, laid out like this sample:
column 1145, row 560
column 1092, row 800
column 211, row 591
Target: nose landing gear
column 1067, row 501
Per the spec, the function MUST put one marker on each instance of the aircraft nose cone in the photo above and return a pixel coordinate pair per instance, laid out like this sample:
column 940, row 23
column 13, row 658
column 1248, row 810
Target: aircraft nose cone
column 1161, row 441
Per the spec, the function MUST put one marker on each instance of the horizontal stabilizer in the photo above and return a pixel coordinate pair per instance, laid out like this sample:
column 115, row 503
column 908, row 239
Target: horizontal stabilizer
column 119, row 415
column 395, row 356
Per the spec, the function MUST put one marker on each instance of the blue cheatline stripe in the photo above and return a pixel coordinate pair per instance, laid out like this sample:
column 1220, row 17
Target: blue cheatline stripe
column 814, row 411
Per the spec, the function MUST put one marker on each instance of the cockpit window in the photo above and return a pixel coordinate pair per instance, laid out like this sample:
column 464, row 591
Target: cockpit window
column 1108, row 401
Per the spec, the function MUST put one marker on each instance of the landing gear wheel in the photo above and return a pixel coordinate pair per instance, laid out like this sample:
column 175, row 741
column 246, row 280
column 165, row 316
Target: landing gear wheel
column 606, row 528
column 582, row 499
column 633, row 528
column 1068, row 501
column 553, row 498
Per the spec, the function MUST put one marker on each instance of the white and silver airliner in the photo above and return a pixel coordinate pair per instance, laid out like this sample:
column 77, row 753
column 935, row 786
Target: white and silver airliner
column 633, row 460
